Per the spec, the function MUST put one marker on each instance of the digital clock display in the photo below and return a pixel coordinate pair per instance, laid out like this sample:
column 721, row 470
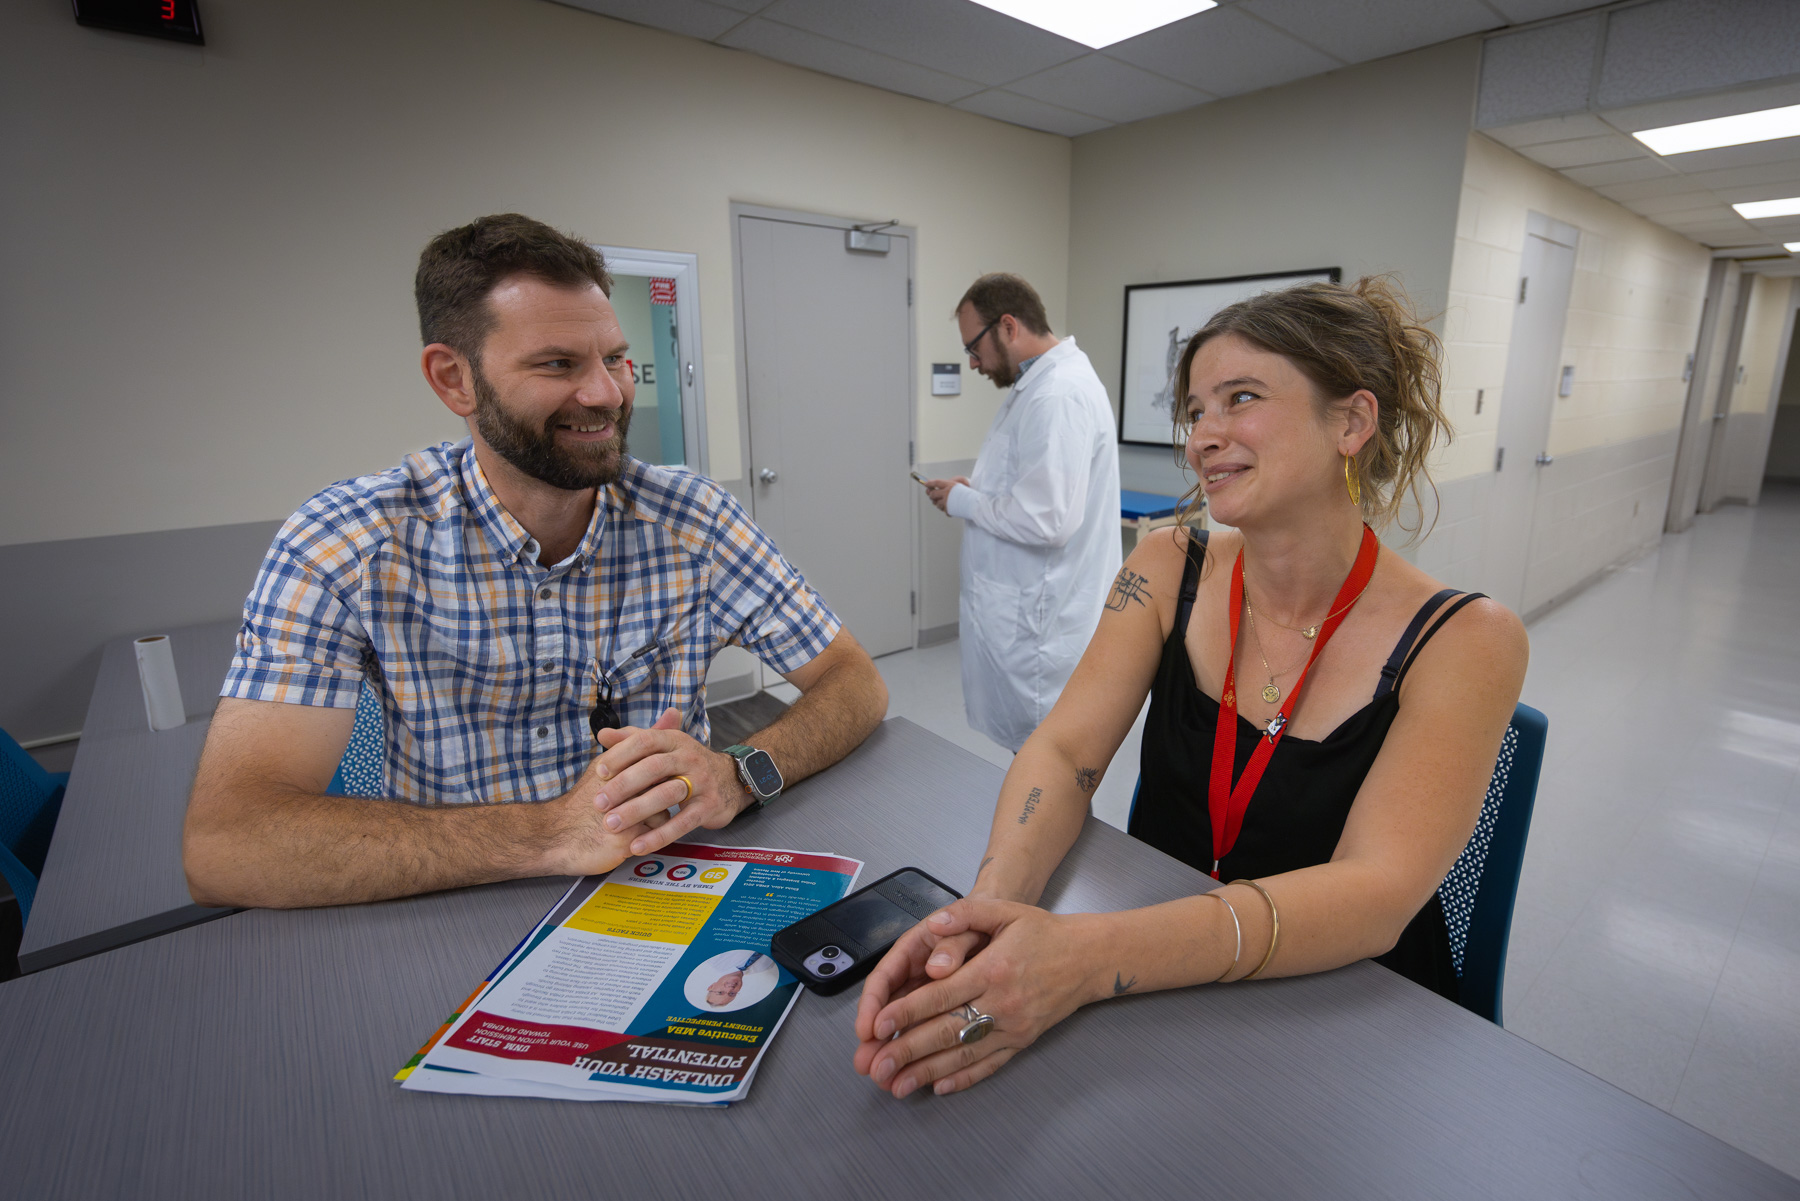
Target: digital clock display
column 176, row 20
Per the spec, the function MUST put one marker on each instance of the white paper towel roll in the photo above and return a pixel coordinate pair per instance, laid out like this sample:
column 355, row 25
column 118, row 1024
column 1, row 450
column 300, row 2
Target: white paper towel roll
column 162, row 691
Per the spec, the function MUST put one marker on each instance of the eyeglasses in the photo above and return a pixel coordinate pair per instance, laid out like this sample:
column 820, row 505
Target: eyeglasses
column 972, row 343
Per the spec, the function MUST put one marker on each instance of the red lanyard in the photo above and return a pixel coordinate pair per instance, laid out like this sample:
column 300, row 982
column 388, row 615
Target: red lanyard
column 1224, row 803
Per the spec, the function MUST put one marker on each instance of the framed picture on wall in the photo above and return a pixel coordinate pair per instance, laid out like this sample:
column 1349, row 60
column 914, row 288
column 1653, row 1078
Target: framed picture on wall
column 1159, row 319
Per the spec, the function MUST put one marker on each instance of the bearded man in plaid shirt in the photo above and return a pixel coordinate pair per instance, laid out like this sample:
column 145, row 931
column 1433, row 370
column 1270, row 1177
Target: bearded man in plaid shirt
column 499, row 596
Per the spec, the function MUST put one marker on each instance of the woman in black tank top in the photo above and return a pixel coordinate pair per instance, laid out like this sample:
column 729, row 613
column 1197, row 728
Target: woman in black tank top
column 1323, row 716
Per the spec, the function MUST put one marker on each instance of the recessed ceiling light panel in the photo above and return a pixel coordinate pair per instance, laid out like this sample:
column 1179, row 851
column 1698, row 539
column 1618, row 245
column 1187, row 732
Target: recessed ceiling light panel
column 1756, row 210
column 1767, row 125
column 1098, row 24
column 1791, row 247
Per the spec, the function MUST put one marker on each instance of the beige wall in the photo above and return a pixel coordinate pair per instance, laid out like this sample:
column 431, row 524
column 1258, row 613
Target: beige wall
column 1359, row 169
column 1634, row 310
column 205, row 291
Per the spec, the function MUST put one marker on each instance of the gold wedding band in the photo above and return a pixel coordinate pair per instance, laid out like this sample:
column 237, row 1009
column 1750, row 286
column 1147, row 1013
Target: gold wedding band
column 690, row 788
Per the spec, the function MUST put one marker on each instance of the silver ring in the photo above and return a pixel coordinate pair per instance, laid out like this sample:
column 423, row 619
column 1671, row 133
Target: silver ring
column 977, row 1025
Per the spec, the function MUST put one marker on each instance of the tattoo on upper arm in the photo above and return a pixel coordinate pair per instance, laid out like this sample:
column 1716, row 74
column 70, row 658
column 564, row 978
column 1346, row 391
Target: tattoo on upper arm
column 1031, row 803
column 1087, row 778
column 1128, row 586
column 1121, row 984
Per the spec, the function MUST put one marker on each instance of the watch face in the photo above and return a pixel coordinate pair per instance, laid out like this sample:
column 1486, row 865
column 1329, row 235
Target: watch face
column 763, row 775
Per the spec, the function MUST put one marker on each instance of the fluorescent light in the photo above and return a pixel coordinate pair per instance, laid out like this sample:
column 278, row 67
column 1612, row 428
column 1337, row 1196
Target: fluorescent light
column 1755, row 210
column 1098, row 24
column 1792, row 247
column 1765, row 126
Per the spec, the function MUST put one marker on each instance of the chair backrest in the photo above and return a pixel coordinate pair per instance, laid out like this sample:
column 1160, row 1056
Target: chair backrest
column 1478, row 893
column 362, row 770
column 30, row 799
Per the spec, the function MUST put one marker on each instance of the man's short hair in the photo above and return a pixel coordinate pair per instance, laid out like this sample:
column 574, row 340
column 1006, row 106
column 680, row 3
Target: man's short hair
column 997, row 295
column 460, row 267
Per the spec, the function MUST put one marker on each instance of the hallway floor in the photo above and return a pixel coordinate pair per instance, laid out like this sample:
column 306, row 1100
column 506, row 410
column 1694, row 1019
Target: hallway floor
column 1656, row 942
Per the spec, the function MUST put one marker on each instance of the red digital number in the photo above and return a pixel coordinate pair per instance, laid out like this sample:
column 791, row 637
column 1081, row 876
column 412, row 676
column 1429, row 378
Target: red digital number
column 168, row 10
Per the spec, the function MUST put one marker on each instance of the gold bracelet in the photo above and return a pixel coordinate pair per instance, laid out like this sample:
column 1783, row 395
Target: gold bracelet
column 1236, row 926
column 1275, row 931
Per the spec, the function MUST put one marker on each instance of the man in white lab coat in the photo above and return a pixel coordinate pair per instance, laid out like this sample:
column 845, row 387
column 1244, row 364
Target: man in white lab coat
column 1041, row 512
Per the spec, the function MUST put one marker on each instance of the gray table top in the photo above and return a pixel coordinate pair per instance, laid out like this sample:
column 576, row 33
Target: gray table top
column 252, row 1057
column 113, row 874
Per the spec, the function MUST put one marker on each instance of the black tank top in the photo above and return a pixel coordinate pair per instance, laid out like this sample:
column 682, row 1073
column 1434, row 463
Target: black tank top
column 1298, row 812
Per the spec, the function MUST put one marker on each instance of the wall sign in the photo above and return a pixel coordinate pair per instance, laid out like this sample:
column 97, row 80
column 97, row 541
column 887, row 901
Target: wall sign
column 174, row 20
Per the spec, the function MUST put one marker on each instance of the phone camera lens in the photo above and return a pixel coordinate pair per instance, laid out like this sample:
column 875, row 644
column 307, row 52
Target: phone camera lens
column 830, row 952
column 826, row 969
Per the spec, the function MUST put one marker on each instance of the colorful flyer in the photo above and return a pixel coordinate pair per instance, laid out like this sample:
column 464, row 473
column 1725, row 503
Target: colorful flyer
column 651, row 983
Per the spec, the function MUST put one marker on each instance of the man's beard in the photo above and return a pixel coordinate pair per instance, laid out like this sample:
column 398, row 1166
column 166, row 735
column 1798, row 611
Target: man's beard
column 1002, row 374
column 535, row 450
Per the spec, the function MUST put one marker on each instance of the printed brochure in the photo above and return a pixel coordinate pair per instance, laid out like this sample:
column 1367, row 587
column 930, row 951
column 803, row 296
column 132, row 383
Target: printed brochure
column 650, row 983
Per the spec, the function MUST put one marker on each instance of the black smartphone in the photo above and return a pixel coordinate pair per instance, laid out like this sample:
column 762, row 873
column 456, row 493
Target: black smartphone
column 836, row 947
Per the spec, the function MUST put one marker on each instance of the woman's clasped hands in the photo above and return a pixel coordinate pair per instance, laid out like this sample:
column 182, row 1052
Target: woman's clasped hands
column 1026, row 968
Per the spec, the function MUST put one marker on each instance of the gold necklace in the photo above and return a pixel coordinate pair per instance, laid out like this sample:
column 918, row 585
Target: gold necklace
column 1312, row 631
column 1271, row 692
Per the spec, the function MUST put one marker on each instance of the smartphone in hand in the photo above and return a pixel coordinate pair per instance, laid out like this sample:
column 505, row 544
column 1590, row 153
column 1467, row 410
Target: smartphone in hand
column 838, row 945
column 915, row 475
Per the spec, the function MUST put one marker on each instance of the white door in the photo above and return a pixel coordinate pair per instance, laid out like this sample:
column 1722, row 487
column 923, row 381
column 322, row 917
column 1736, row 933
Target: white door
column 1533, row 372
column 827, row 355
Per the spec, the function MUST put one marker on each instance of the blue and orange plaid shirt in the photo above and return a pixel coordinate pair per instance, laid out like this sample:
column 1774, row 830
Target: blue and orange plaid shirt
column 486, row 664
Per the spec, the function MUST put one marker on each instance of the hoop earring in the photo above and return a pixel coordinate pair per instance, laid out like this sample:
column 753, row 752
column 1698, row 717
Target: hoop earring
column 1352, row 482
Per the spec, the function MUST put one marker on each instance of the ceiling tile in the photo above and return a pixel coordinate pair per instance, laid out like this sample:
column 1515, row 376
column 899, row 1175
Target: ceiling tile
column 1105, row 88
column 695, row 18
column 1621, row 172
column 1223, row 51
column 1033, row 114
column 1536, row 72
column 951, row 36
column 1521, row 11
column 1672, row 46
column 802, row 49
column 1685, row 202
column 1359, row 30
column 1704, row 108
column 1739, row 177
column 1585, row 152
column 1550, row 129
column 1711, row 215
column 1641, row 189
column 746, row 6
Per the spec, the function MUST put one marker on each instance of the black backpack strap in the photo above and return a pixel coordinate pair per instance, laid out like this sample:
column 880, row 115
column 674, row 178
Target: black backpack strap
column 1190, row 580
column 1437, row 625
column 1390, row 671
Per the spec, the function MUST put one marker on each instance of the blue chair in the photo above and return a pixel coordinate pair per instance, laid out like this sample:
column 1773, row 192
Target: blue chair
column 30, row 799
column 1478, row 894
column 360, row 771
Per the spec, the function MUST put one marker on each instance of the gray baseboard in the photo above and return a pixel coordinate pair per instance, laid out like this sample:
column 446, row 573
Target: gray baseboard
column 67, row 598
column 937, row 635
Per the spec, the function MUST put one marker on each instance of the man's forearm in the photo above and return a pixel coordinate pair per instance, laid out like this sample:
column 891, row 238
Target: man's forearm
column 283, row 848
column 827, row 722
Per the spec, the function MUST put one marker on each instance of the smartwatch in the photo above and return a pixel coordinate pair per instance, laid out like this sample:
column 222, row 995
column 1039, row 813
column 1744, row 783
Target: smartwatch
column 758, row 772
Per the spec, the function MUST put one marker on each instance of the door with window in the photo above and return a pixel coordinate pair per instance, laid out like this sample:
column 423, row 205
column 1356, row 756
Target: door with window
column 656, row 297
column 827, row 345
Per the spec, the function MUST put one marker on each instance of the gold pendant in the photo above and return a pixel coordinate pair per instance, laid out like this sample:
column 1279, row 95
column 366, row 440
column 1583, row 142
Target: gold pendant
column 1309, row 633
column 1271, row 694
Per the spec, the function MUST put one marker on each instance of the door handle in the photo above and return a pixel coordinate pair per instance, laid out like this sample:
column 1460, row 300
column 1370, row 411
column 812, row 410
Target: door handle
column 766, row 476
column 1544, row 460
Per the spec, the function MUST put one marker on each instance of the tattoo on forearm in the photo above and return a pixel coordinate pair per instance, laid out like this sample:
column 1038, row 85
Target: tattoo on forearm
column 983, row 866
column 1031, row 803
column 1128, row 586
column 1087, row 778
column 1121, row 984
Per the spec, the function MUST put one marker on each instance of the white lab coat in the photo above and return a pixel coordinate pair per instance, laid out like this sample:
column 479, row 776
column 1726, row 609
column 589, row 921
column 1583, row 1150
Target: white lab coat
column 1040, row 543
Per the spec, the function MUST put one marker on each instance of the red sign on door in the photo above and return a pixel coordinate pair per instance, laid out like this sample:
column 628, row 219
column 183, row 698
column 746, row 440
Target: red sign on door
column 662, row 291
